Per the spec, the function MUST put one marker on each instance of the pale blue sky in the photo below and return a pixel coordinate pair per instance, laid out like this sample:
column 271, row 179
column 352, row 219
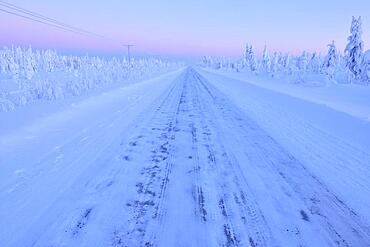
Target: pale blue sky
column 192, row 27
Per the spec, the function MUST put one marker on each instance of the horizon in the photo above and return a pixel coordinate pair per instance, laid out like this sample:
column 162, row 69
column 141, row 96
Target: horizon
column 183, row 30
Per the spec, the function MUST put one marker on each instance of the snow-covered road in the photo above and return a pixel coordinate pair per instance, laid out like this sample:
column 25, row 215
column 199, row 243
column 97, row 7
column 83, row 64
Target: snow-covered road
column 180, row 164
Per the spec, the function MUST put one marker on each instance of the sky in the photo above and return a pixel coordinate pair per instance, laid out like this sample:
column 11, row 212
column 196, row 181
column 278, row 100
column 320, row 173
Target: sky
column 189, row 27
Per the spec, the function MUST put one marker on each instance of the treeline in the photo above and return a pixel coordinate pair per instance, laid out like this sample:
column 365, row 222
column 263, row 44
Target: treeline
column 27, row 75
column 353, row 62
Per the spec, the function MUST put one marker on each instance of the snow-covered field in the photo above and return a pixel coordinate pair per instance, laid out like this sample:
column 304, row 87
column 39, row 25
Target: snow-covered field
column 193, row 157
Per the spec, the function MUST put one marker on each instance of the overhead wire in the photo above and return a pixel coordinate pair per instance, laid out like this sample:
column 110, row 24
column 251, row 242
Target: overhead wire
column 45, row 18
column 32, row 19
column 37, row 17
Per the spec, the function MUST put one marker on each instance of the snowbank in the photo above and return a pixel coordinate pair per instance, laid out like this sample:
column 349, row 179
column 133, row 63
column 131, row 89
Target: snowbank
column 349, row 98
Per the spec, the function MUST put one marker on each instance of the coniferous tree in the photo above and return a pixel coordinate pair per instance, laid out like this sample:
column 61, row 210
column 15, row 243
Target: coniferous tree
column 274, row 63
column 286, row 63
column 330, row 62
column 251, row 59
column 266, row 62
column 29, row 64
column 315, row 63
column 246, row 56
column 303, row 61
column 354, row 49
column 366, row 68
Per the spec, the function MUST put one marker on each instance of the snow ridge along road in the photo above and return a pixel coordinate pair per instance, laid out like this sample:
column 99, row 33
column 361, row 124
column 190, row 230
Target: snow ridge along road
column 194, row 170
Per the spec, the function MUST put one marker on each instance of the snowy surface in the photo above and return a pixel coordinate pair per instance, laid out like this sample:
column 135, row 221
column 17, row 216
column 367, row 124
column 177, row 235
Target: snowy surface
column 190, row 158
column 349, row 98
column 332, row 143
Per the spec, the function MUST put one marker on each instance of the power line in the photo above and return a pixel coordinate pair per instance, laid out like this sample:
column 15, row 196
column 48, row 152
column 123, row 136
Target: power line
column 39, row 21
column 37, row 17
column 45, row 18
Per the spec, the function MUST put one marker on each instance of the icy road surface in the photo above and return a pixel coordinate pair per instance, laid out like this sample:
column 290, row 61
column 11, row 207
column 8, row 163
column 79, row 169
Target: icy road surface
column 168, row 162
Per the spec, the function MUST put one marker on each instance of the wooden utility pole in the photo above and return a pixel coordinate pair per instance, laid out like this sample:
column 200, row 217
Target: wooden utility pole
column 128, row 52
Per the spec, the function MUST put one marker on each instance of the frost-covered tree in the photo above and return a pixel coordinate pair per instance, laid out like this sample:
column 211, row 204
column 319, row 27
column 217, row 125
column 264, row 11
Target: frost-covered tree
column 246, row 56
column 354, row 49
column 266, row 62
column 314, row 64
column 250, row 60
column 281, row 58
column 29, row 64
column 330, row 62
column 342, row 64
column 274, row 67
column 366, row 68
column 303, row 61
column 14, row 67
column 50, row 60
column 285, row 63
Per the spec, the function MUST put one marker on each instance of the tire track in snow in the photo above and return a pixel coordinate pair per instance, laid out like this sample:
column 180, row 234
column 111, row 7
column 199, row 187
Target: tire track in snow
column 198, row 194
column 220, row 164
column 342, row 224
column 77, row 222
column 148, row 207
column 200, row 154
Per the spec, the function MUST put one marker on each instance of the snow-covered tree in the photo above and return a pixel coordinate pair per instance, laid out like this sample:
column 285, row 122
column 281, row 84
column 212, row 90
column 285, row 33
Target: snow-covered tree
column 266, row 62
column 366, row 68
column 29, row 64
column 285, row 63
column 250, row 60
column 330, row 62
column 13, row 67
column 342, row 64
column 303, row 61
column 354, row 49
column 67, row 75
column 274, row 67
column 246, row 56
column 314, row 64
column 281, row 58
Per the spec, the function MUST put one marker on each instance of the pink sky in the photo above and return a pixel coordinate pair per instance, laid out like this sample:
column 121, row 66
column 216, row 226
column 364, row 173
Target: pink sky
column 190, row 28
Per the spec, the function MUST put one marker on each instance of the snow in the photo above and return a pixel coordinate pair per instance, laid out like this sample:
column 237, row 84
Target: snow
column 193, row 157
column 367, row 56
column 333, row 144
column 54, row 151
column 348, row 98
